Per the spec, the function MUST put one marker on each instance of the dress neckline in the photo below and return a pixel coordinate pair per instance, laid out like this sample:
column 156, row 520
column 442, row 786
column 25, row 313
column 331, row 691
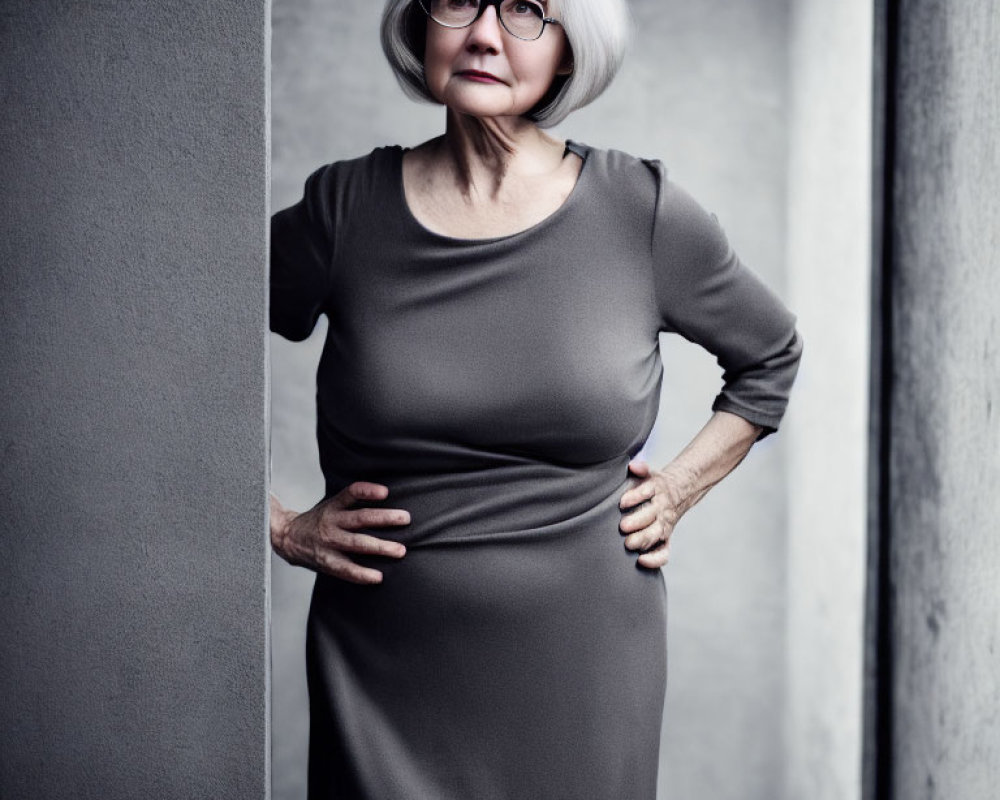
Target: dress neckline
column 582, row 150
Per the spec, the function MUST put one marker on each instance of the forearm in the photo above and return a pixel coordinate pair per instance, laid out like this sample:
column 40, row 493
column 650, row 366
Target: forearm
column 712, row 454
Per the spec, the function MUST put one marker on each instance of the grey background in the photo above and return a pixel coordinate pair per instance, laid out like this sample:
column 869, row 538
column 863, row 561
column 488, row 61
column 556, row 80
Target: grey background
column 828, row 244
column 133, row 570
column 749, row 105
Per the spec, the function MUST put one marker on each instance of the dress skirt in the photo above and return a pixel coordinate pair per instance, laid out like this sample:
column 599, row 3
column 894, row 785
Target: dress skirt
column 494, row 662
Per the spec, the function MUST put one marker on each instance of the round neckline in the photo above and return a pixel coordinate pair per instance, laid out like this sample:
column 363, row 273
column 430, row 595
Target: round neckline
column 581, row 150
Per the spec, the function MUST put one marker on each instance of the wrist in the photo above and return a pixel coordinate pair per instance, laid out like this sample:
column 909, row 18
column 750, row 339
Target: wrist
column 278, row 518
column 681, row 485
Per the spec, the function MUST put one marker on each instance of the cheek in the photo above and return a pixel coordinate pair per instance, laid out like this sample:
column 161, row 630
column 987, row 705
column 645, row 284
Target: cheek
column 540, row 60
column 432, row 79
column 539, row 71
column 437, row 60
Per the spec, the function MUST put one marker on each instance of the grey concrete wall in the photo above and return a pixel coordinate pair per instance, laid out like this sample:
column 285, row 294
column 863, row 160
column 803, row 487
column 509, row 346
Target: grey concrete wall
column 133, row 178
column 945, row 404
column 704, row 89
column 829, row 224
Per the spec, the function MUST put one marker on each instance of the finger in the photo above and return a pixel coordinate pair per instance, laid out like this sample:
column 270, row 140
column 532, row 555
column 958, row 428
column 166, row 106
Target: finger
column 642, row 517
column 655, row 558
column 639, row 467
column 647, row 538
column 368, row 545
column 359, row 491
column 361, row 518
column 637, row 494
column 340, row 566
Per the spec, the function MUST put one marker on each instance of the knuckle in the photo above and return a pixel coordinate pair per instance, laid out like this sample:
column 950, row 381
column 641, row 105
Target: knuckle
column 352, row 493
column 359, row 518
column 383, row 547
column 376, row 517
column 328, row 563
column 331, row 536
column 359, row 575
column 352, row 542
column 351, row 520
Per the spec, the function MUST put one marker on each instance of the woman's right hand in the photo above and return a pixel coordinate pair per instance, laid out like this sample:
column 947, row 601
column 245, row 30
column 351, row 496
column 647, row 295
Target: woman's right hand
column 322, row 538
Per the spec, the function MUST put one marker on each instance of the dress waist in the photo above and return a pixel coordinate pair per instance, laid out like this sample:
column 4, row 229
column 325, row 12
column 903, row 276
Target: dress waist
column 517, row 501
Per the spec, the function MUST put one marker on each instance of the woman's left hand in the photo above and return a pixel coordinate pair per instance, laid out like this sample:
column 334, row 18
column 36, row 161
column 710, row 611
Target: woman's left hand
column 653, row 506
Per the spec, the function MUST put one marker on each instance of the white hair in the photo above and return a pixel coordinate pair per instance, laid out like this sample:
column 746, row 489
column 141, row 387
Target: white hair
column 597, row 32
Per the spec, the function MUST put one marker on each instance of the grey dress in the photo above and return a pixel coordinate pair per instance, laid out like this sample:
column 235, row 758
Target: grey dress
column 499, row 387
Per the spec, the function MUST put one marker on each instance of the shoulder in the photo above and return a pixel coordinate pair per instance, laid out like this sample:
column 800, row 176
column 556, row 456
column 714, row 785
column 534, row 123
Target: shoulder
column 635, row 182
column 619, row 167
column 356, row 174
column 678, row 224
column 636, row 188
column 649, row 178
column 335, row 192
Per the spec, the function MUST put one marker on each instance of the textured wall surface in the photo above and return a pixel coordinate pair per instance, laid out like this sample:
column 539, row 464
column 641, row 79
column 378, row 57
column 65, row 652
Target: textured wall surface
column 945, row 415
column 829, row 212
column 133, row 566
column 704, row 90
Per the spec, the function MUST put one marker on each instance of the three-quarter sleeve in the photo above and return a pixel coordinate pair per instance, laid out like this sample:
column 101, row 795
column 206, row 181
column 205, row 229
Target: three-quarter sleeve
column 302, row 253
column 708, row 296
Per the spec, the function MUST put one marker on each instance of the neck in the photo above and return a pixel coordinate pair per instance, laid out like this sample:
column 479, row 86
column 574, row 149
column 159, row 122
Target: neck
column 483, row 152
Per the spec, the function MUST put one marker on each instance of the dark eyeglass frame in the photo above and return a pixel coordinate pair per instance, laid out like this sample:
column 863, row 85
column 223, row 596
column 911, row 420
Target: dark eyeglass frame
column 483, row 5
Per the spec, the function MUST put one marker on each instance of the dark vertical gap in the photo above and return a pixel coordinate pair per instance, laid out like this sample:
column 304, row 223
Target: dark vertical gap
column 878, row 700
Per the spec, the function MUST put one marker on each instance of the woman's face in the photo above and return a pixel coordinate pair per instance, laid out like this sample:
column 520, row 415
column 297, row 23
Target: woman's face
column 484, row 71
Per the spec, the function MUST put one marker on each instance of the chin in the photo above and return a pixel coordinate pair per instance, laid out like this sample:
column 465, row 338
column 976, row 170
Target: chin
column 482, row 101
column 484, row 110
column 481, row 113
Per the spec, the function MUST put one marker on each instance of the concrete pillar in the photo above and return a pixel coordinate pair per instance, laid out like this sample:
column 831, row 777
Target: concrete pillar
column 829, row 269
column 944, row 414
column 133, row 560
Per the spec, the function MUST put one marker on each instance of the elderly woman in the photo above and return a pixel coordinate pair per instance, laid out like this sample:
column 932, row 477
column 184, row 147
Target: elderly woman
column 488, row 619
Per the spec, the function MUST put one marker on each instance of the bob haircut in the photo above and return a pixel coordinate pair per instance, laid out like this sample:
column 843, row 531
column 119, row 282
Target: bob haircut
column 597, row 32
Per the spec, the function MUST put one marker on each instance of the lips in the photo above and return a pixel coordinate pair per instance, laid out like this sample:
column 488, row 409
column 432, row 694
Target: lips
column 478, row 75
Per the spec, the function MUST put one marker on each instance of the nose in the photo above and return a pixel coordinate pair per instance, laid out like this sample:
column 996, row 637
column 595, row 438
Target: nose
column 485, row 34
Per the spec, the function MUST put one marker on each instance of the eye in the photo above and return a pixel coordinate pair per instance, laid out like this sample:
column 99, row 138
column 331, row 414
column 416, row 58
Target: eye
column 524, row 9
column 462, row 4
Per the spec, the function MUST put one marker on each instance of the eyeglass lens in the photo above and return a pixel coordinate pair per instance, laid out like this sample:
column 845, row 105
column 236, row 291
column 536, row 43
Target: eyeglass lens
column 522, row 18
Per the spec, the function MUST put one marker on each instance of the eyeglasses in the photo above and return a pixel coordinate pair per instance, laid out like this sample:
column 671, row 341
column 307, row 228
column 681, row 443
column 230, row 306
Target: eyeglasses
column 522, row 19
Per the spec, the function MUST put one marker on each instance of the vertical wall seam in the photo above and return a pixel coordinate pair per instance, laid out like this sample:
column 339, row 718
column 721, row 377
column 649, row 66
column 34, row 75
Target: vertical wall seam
column 268, row 598
column 878, row 700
